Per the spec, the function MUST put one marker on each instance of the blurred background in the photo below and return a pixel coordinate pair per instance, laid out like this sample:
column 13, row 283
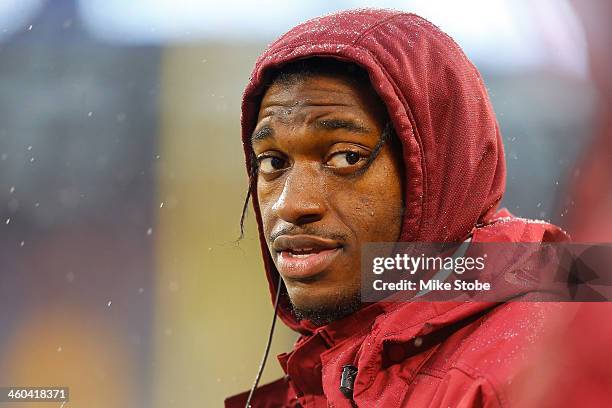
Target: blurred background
column 122, row 177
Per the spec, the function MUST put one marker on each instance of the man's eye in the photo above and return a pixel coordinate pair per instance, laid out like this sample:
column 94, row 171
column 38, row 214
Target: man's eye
column 344, row 159
column 270, row 164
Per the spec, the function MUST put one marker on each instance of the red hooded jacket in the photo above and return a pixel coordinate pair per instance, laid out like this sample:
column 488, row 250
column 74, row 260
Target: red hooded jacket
column 418, row 354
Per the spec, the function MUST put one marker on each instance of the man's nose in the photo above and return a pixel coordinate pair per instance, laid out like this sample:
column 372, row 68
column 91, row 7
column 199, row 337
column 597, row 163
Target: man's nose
column 302, row 199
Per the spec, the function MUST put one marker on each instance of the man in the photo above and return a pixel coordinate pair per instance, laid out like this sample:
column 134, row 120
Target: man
column 372, row 126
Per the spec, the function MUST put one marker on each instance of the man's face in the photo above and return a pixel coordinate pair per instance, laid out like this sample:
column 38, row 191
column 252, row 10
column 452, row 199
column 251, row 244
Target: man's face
column 312, row 138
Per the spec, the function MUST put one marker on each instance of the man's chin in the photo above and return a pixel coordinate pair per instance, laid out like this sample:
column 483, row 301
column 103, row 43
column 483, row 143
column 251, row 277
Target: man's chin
column 324, row 312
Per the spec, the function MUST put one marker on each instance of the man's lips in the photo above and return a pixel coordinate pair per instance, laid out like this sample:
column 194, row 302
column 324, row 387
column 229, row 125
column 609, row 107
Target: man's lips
column 304, row 256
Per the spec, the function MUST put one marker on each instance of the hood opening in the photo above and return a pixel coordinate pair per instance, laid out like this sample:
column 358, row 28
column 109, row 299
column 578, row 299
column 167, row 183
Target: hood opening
column 438, row 105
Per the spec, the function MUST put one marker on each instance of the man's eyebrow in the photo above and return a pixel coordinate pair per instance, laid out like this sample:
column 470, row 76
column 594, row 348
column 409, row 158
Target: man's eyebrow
column 326, row 124
column 263, row 133
column 333, row 124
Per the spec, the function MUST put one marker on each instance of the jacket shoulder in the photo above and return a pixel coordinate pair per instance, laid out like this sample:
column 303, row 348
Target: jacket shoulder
column 500, row 347
column 505, row 227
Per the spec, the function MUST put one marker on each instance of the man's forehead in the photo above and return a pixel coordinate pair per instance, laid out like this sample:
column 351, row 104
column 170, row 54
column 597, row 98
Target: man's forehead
column 313, row 90
column 321, row 102
column 307, row 106
column 356, row 126
column 306, row 110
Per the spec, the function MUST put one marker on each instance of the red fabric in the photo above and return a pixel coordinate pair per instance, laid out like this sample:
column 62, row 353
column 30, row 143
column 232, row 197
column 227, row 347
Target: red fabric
column 466, row 353
column 589, row 216
column 574, row 364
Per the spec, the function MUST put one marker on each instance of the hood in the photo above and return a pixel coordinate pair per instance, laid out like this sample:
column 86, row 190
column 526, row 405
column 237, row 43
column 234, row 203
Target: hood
column 438, row 105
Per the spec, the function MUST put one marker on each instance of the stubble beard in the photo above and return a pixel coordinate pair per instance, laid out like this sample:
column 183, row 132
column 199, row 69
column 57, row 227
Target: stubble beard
column 323, row 314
